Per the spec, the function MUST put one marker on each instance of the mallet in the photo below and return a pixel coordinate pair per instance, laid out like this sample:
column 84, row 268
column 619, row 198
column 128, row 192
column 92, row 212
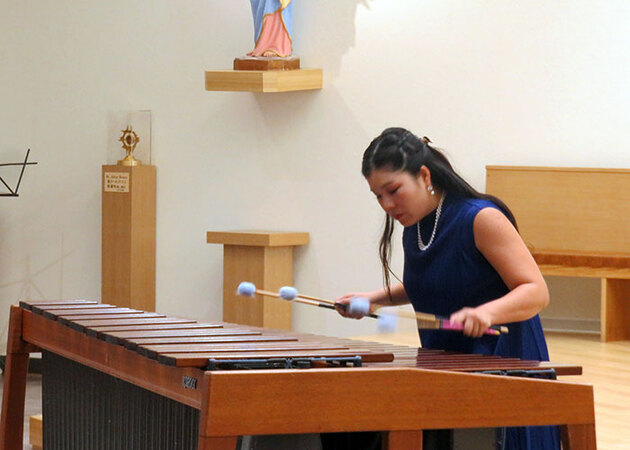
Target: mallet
column 387, row 320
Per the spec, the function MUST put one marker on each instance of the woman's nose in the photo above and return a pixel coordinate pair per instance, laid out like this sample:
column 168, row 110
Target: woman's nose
column 387, row 203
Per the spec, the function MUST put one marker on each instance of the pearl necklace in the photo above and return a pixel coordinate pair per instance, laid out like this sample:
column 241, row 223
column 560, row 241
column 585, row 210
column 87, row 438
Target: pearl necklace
column 421, row 245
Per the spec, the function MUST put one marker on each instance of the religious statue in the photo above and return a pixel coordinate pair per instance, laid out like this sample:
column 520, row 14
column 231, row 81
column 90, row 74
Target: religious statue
column 272, row 27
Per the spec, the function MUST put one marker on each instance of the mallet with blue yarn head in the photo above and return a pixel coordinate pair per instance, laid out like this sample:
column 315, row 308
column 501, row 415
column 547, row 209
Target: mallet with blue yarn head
column 246, row 288
column 358, row 307
column 387, row 323
column 249, row 290
column 361, row 305
column 288, row 293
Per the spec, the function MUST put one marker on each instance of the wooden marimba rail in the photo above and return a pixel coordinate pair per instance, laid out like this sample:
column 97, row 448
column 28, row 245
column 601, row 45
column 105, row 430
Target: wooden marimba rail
column 168, row 356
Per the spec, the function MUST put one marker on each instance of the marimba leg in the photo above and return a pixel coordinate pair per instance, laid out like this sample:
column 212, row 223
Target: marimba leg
column 403, row 440
column 14, row 391
column 578, row 437
column 217, row 443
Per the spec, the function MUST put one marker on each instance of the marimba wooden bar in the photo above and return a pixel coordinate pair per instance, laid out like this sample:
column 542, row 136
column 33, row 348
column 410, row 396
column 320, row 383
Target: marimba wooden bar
column 164, row 362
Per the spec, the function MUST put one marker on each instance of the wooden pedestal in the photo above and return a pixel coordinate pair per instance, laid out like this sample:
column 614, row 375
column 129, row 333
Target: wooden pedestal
column 128, row 233
column 615, row 310
column 264, row 258
column 35, row 432
column 262, row 63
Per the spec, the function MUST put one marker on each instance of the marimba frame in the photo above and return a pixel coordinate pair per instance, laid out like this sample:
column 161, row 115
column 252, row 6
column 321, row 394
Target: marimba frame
column 401, row 401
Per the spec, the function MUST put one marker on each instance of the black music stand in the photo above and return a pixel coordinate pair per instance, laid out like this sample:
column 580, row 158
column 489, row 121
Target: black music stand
column 14, row 192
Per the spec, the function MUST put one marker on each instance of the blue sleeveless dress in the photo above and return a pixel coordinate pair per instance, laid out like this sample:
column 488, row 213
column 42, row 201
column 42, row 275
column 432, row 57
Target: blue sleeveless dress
column 452, row 274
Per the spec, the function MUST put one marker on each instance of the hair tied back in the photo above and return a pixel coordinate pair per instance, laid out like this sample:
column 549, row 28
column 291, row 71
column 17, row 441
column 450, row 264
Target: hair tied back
column 403, row 138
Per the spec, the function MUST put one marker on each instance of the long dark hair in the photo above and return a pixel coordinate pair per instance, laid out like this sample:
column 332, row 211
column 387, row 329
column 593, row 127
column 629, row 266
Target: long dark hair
column 399, row 149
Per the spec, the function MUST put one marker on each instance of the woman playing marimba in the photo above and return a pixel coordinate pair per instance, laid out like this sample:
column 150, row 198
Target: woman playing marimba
column 463, row 259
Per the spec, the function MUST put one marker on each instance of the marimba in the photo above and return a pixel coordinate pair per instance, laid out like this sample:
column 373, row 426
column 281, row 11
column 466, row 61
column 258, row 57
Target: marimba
column 138, row 380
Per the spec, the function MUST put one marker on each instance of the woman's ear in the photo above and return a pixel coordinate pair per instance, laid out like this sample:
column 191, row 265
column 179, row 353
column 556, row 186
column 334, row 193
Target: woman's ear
column 425, row 175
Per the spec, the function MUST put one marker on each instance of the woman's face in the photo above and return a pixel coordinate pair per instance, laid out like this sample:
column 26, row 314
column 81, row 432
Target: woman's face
column 401, row 195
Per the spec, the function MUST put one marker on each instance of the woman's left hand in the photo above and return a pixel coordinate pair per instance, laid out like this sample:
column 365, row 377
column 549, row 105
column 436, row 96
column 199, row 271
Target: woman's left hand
column 475, row 322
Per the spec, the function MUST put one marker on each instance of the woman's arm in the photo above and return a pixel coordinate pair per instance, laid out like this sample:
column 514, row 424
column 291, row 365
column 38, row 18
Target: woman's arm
column 377, row 298
column 497, row 239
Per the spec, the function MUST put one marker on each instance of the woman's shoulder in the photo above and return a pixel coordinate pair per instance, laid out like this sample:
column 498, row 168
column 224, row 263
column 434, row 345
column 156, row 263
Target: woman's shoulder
column 465, row 210
column 471, row 206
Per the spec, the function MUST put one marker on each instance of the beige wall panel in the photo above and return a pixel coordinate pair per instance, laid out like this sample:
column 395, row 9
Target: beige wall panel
column 567, row 208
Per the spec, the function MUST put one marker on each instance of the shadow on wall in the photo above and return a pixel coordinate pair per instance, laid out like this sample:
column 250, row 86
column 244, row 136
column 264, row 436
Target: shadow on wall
column 29, row 278
column 325, row 31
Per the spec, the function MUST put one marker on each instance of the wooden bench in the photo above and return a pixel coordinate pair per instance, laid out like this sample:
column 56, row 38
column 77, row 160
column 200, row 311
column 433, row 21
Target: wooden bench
column 576, row 222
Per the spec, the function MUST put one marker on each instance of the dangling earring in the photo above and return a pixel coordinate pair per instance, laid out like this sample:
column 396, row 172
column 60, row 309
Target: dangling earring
column 430, row 189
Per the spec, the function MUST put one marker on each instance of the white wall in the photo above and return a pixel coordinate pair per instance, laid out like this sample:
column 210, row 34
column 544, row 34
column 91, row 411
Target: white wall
column 492, row 82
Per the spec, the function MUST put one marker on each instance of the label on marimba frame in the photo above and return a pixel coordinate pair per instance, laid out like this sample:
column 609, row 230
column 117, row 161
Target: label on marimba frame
column 116, row 182
column 189, row 382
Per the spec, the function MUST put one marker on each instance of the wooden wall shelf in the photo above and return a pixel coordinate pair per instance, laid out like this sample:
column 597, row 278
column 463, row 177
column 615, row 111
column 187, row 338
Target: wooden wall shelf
column 264, row 80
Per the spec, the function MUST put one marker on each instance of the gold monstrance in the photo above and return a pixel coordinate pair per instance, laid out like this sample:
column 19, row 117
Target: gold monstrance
column 129, row 140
